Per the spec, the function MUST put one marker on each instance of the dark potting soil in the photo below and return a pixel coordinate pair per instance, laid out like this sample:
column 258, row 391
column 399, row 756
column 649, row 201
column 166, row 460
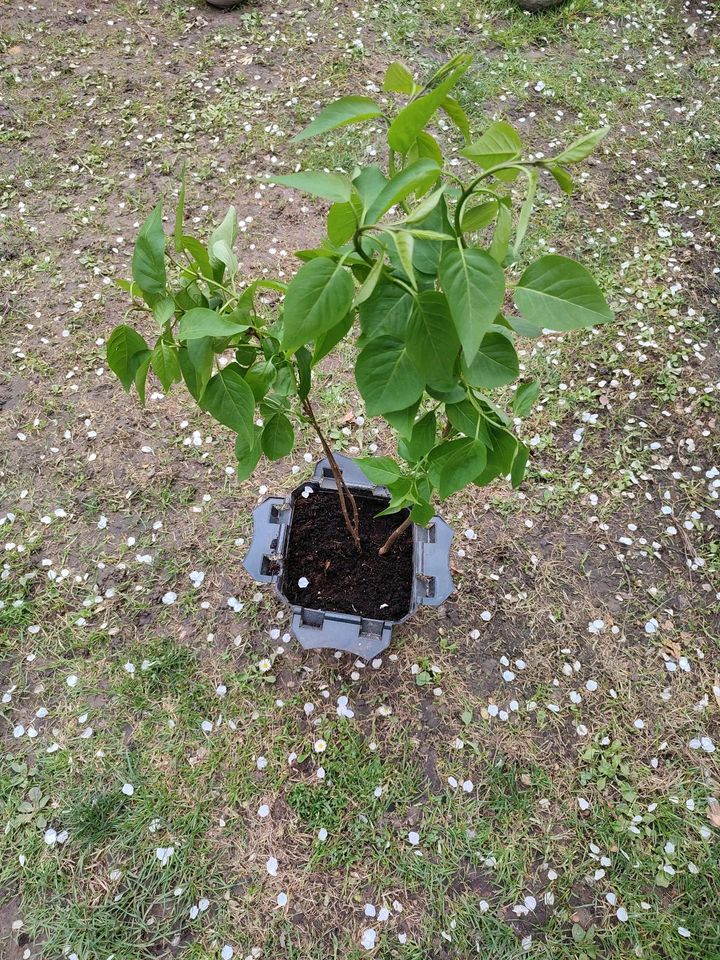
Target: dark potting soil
column 341, row 578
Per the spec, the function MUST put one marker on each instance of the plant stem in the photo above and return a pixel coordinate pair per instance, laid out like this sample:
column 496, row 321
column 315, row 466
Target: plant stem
column 397, row 532
column 344, row 494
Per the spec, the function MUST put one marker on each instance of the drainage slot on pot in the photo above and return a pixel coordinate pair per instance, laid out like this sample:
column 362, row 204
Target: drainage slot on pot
column 371, row 628
column 312, row 618
column 270, row 565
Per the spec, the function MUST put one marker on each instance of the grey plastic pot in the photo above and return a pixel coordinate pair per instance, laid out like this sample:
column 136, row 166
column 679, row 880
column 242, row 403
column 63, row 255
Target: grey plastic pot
column 362, row 636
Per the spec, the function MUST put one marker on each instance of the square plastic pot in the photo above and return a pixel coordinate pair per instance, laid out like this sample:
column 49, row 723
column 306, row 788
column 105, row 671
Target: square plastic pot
column 363, row 636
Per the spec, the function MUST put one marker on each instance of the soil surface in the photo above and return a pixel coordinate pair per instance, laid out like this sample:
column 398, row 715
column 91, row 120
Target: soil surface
column 341, row 578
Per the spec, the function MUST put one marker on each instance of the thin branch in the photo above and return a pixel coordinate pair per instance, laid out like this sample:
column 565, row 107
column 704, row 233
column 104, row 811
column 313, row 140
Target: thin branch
column 397, row 532
column 344, row 494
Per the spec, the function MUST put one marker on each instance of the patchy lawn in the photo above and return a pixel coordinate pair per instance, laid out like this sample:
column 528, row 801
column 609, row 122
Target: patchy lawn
column 531, row 768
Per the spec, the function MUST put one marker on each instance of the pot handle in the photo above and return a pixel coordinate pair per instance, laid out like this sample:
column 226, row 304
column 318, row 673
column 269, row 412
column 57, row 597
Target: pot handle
column 433, row 577
column 356, row 635
column 270, row 521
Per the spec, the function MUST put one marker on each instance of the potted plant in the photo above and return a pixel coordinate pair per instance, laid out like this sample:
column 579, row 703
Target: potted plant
column 413, row 272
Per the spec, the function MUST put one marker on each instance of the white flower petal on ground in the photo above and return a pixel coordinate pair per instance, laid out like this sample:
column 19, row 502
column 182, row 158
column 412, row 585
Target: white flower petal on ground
column 128, row 789
column 227, row 952
column 72, row 680
column 413, row 838
column 622, row 914
column 282, row 899
column 272, row 866
column 169, row 598
column 264, row 810
column 368, row 939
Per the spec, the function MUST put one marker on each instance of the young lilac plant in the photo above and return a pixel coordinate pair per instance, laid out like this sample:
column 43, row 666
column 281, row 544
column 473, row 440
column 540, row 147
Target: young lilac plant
column 416, row 254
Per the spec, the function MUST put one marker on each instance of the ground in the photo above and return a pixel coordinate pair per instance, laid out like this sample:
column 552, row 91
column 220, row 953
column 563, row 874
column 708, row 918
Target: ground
column 529, row 769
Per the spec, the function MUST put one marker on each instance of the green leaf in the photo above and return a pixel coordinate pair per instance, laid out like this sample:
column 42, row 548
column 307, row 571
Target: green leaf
column 415, row 178
column 495, row 364
column 502, row 234
column 465, row 417
column 422, row 439
column 141, row 376
column 425, row 207
column 148, row 262
column 325, row 343
column 425, row 146
column 230, row 401
column 126, row 350
column 386, row 312
column 403, row 420
column 413, row 118
column 525, row 397
column 475, row 288
column 517, row 474
column 226, row 235
column 328, row 186
column 432, row 342
column 303, row 359
column 499, row 144
column 557, row 293
column 458, row 116
column 247, row 451
column 196, row 363
column 368, row 183
column 460, row 462
column 422, row 234
column 163, row 310
column 405, row 245
column 380, row 471
column 582, row 147
column 525, row 211
column 370, row 281
column 221, row 251
column 400, row 496
column 339, row 114
column 398, row 79
column 341, row 223
column 423, row 678
column 165, row 364
column 522, row 326
column 561, row 177
column 201, row 322
column 318, row 298
column 278, row 437
column 386, row 376
column 180, row 214
column 422, row 514
column 245, row 354
column 500, row 456
column 200, row 255
column 478, row 217
column 260, row 377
